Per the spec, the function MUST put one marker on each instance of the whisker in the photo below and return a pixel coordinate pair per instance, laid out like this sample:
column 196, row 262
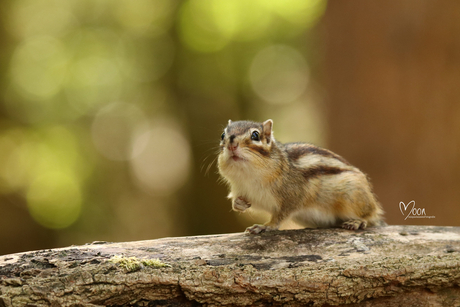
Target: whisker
column 210, row 165
column 221, row 180
column 203, row 163
column 255, row 155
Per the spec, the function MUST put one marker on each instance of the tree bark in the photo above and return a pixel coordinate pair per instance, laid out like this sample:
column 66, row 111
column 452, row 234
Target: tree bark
column 398, row 265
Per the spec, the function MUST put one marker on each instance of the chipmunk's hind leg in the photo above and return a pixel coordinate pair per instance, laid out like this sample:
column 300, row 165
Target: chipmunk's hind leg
column 355, row 224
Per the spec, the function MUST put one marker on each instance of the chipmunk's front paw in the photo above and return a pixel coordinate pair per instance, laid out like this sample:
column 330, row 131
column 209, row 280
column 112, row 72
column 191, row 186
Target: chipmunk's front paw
column 240, row 204
column 354, row 224
column 257, row 228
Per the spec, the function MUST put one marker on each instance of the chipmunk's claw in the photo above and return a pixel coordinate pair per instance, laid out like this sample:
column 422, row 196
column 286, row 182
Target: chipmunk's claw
column 354, row 224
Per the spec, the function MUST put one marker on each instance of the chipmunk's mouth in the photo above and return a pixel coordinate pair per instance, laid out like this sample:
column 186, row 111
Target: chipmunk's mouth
column 235, row 157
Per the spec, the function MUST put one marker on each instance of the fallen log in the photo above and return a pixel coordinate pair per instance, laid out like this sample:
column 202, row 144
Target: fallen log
column 393, row 265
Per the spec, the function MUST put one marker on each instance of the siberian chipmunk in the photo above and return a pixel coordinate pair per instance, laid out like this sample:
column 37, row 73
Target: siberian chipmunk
column 314, row 187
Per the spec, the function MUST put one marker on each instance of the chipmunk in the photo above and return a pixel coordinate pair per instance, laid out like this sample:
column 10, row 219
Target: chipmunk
column 314, row 187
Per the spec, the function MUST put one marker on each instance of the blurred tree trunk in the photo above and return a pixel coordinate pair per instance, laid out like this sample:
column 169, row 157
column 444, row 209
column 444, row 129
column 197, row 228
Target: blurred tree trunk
column 393, row 84
column 210, row 112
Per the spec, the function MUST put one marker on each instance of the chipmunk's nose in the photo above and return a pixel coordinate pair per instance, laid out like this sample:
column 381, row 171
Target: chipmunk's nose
column 232, row 146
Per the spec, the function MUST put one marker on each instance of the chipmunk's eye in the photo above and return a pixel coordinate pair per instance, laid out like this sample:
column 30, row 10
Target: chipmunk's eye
column 222, row 136
column 255, row 136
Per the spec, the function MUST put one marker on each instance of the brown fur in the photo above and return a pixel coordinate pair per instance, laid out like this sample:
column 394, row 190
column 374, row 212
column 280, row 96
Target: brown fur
column 297, row 150
column 321, row 171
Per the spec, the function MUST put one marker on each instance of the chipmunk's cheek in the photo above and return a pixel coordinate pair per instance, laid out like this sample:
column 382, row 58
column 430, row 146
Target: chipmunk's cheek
column 226, row 154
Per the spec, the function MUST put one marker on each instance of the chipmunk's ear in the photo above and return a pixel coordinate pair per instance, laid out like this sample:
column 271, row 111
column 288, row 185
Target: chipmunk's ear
column 267, row 127
column 229, row 122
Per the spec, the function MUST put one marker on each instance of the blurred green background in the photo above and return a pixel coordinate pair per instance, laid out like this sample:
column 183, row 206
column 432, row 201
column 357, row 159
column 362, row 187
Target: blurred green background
column 111, row 111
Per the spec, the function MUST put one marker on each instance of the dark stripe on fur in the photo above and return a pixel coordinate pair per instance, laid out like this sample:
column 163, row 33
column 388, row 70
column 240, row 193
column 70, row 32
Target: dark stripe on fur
column 260, row 150
column 297, row 150
column 320, row 171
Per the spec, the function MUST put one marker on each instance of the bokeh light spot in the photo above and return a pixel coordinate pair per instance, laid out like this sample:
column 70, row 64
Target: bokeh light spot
column 197, row 27
column 27, row 155
column 92, row 81
column 164, row 163
column 303, row 13
column 39, row 66
column 279, row 74
column 115, row 128
column 144, row 15
column 240, row 19
column 40, row 17
column 54, row 200
column 94, row 76
column 209, row 26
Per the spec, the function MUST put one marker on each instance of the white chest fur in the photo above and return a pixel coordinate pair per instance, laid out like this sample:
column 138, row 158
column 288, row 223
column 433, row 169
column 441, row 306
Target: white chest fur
column 247, row 183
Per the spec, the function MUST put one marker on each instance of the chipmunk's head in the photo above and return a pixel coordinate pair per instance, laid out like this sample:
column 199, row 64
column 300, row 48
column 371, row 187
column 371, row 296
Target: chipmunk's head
column 245, row 144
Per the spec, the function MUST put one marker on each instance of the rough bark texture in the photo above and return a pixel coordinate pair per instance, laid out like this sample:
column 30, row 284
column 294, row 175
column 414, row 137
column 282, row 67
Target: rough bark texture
column 397, row 265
